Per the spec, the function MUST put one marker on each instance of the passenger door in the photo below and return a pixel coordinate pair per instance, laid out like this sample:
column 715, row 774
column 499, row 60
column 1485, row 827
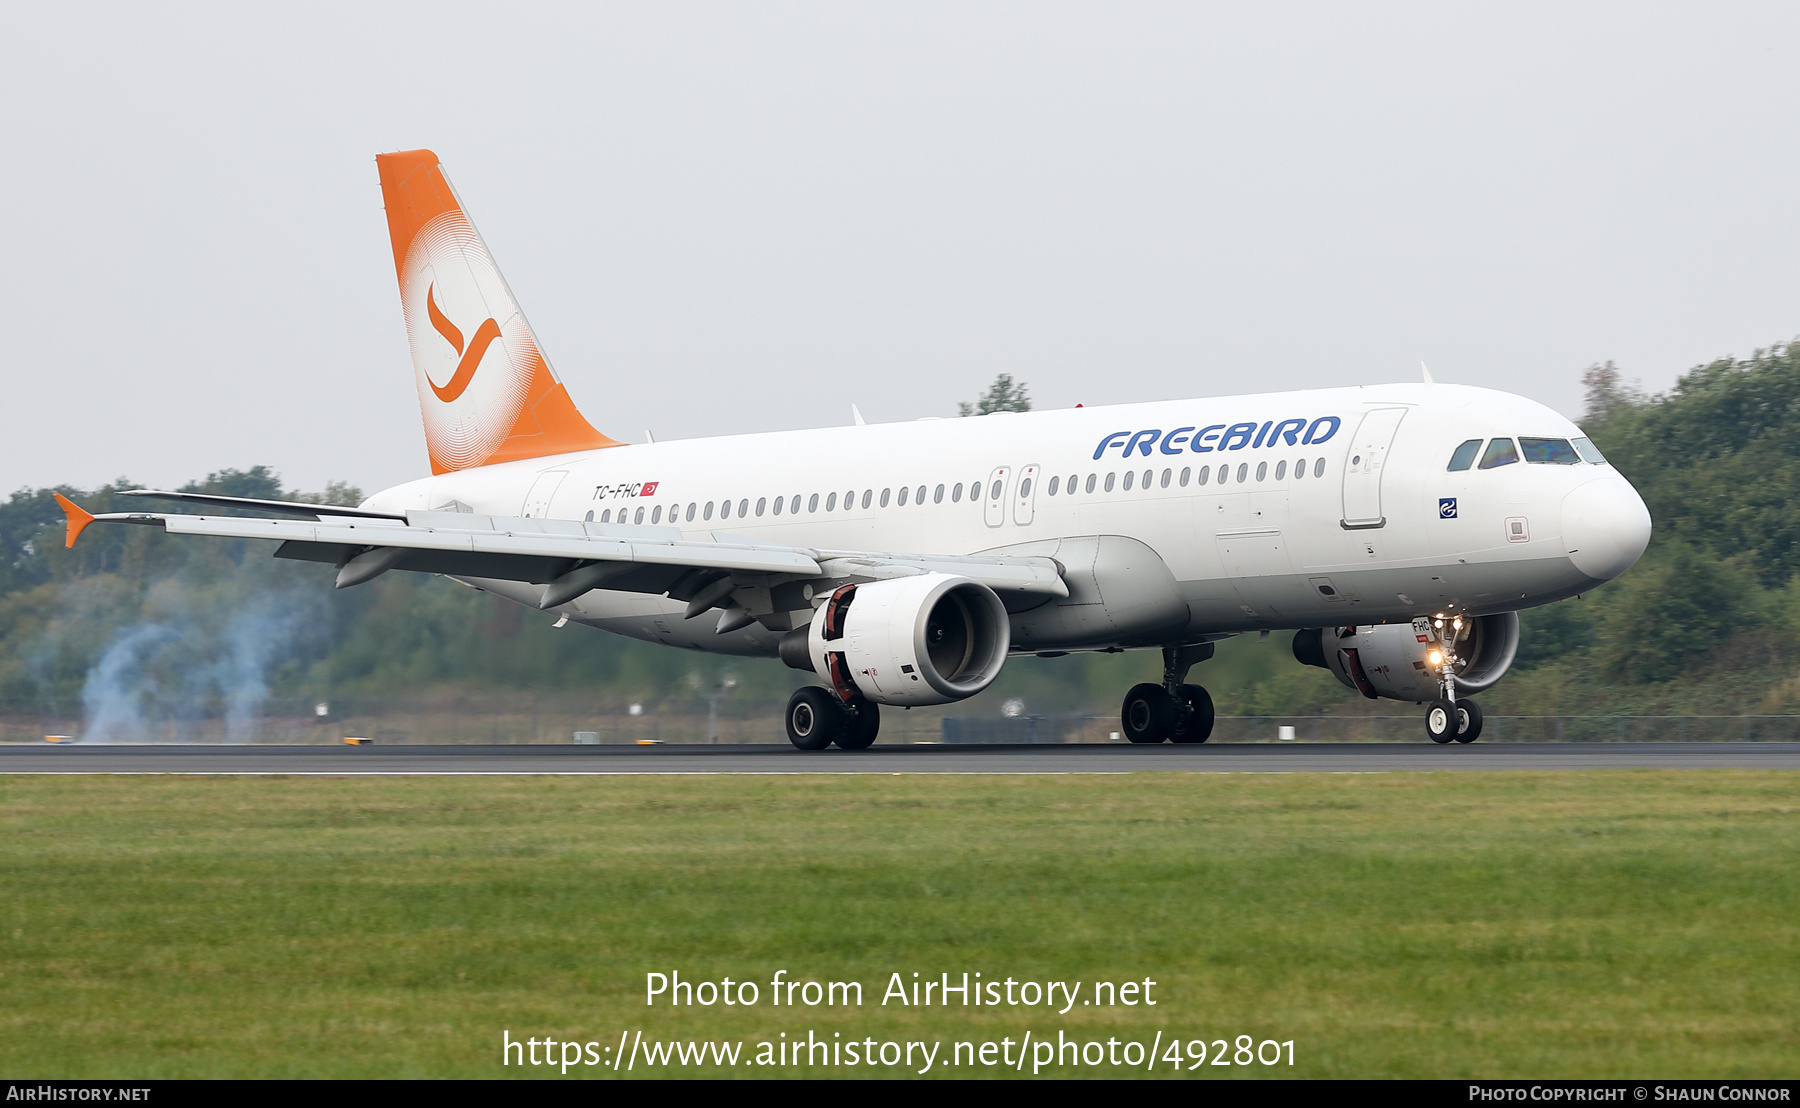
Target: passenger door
column 1364, row 465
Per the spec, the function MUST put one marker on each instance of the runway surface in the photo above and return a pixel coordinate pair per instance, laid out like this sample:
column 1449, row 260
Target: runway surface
column 1096, row 758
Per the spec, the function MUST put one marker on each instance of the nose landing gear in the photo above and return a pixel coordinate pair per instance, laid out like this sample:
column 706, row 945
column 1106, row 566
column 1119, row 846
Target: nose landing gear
column 1173, row 711
column 1449, row 719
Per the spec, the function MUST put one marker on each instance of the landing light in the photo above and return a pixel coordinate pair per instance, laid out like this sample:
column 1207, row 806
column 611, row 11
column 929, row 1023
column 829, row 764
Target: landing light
column 1436, row 657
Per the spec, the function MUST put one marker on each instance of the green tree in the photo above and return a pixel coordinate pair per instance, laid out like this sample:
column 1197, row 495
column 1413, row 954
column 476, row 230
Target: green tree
column 1004, row 395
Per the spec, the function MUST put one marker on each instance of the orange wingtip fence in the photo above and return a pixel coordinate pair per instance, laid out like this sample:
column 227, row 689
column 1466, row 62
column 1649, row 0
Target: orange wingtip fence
column 78, row 519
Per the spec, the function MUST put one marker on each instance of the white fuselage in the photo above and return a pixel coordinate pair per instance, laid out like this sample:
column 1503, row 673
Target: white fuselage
column 1350, row 528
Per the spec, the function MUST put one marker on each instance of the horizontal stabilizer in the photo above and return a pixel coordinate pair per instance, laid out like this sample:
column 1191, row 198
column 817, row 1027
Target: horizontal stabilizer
column 281, row 507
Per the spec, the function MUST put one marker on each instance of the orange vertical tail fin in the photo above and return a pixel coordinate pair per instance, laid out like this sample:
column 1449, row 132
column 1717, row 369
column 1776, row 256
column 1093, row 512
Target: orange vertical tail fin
column 485, row 389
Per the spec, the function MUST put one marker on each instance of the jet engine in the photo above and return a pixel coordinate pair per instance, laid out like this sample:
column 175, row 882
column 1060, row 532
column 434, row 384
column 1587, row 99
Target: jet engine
column 928, row 639
column 1395, row 660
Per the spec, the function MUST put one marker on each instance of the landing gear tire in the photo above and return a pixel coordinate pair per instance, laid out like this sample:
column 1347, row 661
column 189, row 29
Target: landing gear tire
column 814, row 718
column 1148, row 714
column 1468, row 721
column 1196, row 724
column 862, row 722
column 1441, row 721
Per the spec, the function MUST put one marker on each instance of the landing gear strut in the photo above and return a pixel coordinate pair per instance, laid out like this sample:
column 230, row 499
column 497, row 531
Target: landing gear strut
column 1174, row 710
column 816, row 718
column 1448, row 719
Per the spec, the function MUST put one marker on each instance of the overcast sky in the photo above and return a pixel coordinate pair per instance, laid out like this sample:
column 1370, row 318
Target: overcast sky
column 743, row 217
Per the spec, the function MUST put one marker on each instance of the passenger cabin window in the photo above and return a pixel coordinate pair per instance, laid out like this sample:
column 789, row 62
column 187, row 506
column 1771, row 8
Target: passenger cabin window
column 639, row 518
column 1590, row 452
column 831, row 502
column 1281, row 469
column 885, row 493
column 956, row 493
column 1552, row 452
column 1109, row 481
column 1262, row 470
column 778, row 501
column 1090, row 482
column 937, row 495
column 1071, row 484
column 867, row 494
column 903, row 492
column 1185, row 474
column 690, row 512
column 1464, row 456
column 1129, row 476
column 761, row 503
column 1319, row 468
column 1500, row 452
column 606, row 516
column 1054, row 481
column 744, row 508
column 1204, row 475
column 707, row 514
column 919, row 495
column 656, row 516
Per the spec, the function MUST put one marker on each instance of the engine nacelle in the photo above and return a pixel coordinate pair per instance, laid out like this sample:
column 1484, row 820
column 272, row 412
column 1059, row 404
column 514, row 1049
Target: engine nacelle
column 929, row 639
column 1392, row 660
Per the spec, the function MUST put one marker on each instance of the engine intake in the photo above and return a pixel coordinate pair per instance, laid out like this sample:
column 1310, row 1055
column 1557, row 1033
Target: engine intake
column 928, row 639
column 1390, row 660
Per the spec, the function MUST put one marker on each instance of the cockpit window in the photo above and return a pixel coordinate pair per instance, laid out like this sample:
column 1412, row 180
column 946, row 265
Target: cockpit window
column 1500, row 452
column 1590, row 452
column 1464, row 456
column 1555, row 452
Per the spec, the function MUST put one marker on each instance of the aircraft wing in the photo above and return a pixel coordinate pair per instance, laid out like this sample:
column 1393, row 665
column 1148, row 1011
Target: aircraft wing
column 570, row 557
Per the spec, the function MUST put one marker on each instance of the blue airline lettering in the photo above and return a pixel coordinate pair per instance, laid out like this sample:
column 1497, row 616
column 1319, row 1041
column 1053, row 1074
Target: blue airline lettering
column 1141, row 441
column 1288, row 430
column 1313, row 438
column 1109, row 441
column 1218, row 436
column 1240, row 432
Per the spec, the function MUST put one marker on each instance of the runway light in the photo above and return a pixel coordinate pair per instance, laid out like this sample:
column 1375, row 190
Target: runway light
column 1436, row 658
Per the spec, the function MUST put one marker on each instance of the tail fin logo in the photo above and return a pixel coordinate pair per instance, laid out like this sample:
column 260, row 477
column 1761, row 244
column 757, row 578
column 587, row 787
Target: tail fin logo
column 492, row 405
column 471, row 358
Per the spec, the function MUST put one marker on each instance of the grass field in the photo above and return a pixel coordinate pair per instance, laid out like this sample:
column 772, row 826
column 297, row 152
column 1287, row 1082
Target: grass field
column 1585, row 924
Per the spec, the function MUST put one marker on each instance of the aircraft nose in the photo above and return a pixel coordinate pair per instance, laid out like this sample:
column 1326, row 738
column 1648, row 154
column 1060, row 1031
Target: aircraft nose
column 1605, row 527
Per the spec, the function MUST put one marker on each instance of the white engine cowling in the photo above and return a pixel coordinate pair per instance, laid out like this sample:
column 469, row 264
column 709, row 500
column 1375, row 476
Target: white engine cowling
column 1392, row 660
column 929, row 639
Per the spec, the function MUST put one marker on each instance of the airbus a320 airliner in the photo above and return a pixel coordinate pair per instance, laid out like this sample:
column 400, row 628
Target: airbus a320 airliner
column 1398, row 529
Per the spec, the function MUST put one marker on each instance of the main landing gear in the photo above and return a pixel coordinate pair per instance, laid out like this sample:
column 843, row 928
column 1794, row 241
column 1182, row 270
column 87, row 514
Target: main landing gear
column 816, row 718
column 1174, row 710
